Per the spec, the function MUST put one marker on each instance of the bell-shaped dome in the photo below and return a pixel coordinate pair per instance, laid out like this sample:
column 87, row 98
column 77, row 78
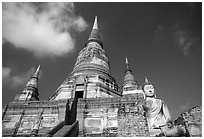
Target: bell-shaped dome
column 129, row 77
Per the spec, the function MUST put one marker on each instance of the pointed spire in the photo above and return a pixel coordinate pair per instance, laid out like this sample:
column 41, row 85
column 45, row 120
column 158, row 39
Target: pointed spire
column 126, row 60
column 33, row 81
column 94, row 35
column 95, row 26
column 37, row 72
column 128, row 72
column 129, row 83
column 127, row 65
column 30, row 91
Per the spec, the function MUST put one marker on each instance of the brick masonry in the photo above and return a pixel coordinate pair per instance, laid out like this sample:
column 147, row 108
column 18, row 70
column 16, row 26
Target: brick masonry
column 98, row 117
column 21, row 119
column 112, row 117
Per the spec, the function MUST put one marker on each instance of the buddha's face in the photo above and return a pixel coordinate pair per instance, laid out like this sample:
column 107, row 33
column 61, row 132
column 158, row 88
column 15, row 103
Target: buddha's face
column 149, row 90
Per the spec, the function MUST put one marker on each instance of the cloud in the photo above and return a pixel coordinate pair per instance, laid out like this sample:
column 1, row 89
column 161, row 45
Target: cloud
column 189, row 45
column 6, row 72
column 159, row 29
column 194, row 5
column 182, row 41
column 46, row 29
column 20, row 79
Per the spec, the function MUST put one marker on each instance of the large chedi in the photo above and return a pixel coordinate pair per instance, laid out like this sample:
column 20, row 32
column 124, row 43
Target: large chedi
column 91, row 76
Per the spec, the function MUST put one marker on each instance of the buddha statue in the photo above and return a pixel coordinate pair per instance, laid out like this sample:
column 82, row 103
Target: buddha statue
column 157, row 112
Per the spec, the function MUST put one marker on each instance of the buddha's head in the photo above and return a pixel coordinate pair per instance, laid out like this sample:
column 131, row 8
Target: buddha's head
column 148, row 89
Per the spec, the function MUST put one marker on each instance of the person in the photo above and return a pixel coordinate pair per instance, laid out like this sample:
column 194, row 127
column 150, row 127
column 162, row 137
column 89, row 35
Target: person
column 157, row 111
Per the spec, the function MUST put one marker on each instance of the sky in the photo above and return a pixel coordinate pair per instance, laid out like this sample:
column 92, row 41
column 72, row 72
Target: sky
column 161, row 41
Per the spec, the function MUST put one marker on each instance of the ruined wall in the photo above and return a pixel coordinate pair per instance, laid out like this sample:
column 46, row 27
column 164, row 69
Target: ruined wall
column 32, row 118
column 192, row 120
column 120, row 116
column 131, row 117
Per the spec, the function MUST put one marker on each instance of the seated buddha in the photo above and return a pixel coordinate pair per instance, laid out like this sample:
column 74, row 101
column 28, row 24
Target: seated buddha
column 156, row 110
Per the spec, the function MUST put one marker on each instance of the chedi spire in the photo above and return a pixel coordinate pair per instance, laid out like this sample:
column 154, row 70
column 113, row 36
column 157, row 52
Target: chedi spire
column 95, row 25
column 30, row 92
column 33, row 82
column 37, row 72
column 128, row 74
column 127, row 65
column 94, row 35
column 130, row 85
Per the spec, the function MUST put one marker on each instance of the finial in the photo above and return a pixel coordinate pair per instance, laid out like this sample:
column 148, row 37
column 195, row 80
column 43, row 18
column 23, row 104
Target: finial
column 38, row 68
column 127, row 65
column 36, row 74
column 126, row 60
column 94, row 35
column 95, row 25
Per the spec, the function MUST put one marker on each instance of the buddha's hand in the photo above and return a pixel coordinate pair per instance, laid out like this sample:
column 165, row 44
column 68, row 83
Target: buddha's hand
column 145, row 107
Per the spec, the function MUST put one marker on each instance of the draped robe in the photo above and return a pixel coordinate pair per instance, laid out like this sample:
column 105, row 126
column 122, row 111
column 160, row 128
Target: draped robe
column 157, row 114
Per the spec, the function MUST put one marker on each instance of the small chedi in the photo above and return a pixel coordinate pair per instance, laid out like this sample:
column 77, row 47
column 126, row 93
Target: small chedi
column 90, row 103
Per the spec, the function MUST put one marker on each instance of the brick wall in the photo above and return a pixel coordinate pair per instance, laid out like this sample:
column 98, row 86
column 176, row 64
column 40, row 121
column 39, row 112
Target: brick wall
column 20, row 119
column 107, row 117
